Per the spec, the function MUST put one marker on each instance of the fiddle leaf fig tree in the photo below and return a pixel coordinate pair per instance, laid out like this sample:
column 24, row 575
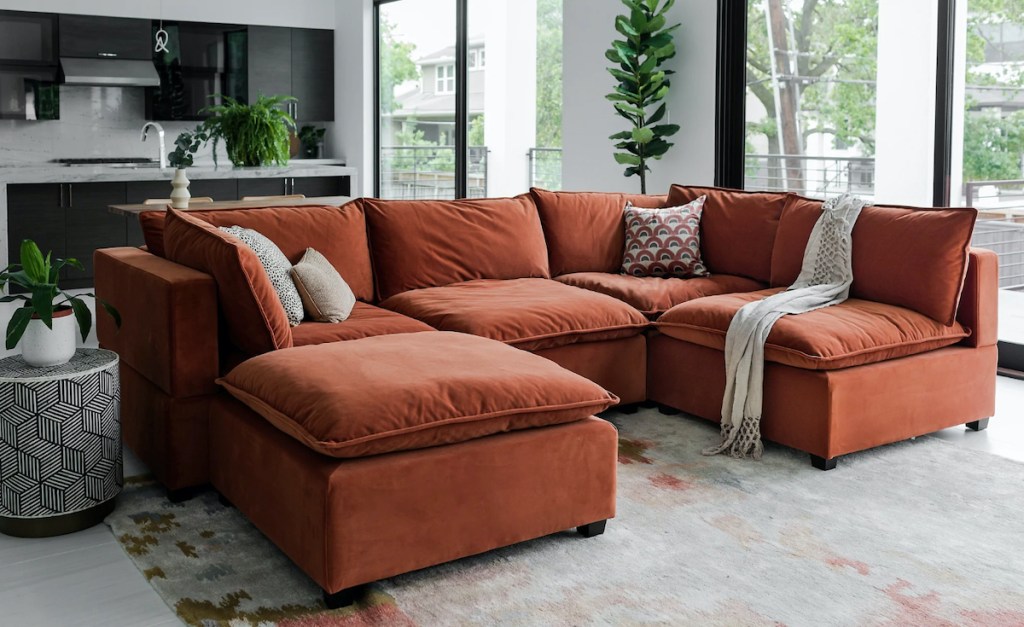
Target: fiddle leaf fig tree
column 642, row 84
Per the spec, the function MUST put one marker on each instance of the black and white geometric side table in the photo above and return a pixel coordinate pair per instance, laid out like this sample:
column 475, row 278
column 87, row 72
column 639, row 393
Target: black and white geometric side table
column 60, row 444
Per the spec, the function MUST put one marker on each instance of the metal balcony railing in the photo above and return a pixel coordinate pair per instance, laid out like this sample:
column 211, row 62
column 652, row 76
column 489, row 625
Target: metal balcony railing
column 428, row 172
column 545, row 168
column 812, row 176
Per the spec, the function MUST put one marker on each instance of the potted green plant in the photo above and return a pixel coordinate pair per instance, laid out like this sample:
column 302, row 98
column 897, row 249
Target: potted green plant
column 312, row 139
column 45, row 324
column 642, row 84
column 181, row 158
column 254, row 135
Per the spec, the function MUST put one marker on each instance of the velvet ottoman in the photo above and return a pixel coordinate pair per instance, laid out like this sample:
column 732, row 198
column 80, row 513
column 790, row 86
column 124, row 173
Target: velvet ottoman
column 366, row 459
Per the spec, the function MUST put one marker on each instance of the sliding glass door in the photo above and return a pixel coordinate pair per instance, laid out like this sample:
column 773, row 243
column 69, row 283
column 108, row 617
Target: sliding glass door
column 469, row 97
column 417, row 97
column 988, row 149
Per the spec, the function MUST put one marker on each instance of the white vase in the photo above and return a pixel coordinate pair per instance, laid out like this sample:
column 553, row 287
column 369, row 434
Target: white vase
column 179, row 193
column 41, row 346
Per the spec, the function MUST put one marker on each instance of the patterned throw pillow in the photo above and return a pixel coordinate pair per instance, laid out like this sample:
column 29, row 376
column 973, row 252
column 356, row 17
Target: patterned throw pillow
column 664, row 242
column 278, row 269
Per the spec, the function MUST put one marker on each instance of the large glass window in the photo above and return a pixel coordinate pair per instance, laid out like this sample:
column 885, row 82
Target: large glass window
column 811, row 92
column 512, row 91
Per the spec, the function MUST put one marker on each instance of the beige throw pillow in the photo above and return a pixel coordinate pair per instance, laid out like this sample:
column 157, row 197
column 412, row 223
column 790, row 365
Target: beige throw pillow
column 325, row 295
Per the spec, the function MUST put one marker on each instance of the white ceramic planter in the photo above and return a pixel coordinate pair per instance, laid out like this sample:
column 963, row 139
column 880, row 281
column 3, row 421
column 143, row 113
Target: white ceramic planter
column 41, row 347
column 179, row 190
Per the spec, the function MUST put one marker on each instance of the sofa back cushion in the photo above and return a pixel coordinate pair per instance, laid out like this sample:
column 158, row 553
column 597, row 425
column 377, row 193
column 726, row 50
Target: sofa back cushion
column 339, row 234
column 256, row 321
column 737, row 228
column 585, row 231
column 430, row 243
column 905, row 256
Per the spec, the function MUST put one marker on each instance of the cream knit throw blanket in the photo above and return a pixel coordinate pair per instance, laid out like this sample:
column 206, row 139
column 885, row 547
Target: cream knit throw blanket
column 824, row 280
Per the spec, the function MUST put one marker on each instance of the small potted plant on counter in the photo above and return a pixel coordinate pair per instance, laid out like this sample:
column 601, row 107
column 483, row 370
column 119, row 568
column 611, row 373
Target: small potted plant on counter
column 312, row 139
column 254, row 135
column 185, row 147
column 45, row 325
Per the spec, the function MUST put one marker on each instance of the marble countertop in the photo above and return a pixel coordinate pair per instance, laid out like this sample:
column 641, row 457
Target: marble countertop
column 57, row 173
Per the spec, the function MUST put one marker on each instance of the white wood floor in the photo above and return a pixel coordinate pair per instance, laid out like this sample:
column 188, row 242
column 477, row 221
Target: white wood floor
column 86, row 579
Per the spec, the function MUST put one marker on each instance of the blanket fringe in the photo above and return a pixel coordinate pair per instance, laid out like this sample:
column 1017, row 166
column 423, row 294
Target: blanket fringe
column 742, row 443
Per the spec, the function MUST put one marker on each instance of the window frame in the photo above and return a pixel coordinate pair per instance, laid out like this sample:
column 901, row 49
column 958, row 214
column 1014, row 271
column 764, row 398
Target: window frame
column 444, row 81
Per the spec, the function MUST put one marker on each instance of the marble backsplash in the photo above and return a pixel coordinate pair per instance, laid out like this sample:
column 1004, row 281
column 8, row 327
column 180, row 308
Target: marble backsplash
column 94, row 122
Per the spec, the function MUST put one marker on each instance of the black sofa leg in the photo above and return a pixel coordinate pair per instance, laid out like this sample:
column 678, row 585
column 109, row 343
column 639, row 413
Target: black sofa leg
column 342, row 598
column 223, row 500
column 824, row 464
column 592, row 529
column 183, row 494
column 629, row 408
column 978, row 425
column 668, row 411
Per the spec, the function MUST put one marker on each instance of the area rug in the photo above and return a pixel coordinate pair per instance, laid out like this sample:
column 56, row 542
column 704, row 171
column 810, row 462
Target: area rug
column 917, row 533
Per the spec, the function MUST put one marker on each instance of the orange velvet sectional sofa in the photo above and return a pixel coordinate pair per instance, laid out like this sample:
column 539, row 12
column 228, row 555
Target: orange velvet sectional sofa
column 912, row 351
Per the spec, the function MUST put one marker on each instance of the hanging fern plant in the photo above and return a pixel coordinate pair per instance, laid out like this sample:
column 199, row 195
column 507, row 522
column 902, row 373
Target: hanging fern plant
column 642, row 84
column 254, row 135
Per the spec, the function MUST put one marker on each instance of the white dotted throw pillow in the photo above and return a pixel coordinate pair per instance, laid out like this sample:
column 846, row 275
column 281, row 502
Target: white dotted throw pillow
column 277, row 267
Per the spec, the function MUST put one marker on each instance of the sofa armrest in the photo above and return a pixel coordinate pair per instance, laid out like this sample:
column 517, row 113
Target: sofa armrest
column 169, row 328
column 979, row 301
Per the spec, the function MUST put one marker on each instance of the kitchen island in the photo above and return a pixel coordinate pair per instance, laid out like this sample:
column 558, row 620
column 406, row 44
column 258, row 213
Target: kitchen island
column 66, row 209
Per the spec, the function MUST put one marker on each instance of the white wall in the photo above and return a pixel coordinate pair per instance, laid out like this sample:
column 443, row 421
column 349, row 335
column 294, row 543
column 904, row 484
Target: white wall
column 905, row 102
column 588, row 119
column 351, row 137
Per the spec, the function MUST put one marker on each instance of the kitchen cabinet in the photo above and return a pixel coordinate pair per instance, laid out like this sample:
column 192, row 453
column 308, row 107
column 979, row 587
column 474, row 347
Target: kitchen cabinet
column 35, row 212
column 28, row 66
column 90, row 36
column 89, row 225
column 297, row 62
column 28, row 38
column 311, row 186
column 202, row 61
column 312, row 74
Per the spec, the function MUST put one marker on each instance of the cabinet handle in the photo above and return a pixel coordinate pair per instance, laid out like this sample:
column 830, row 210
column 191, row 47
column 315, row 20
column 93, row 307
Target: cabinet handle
column 61, row 186
column 71, row 197
column 107, row 55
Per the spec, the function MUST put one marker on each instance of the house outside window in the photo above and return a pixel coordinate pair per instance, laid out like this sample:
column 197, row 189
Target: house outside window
column 446, row 79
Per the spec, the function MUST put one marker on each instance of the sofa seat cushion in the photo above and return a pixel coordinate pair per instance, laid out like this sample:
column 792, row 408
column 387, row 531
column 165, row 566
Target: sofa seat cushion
column 852, row 333
column 530, row 314
column 411, row 391
column 654, row 296
column 364, row 321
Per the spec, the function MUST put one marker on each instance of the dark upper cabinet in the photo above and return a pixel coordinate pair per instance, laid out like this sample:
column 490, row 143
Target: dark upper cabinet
column 313, row 74
column 270, row 61
column 202, row 61
column 296, row 62
column 105, row 37
column 28, row 66
column 28, row 38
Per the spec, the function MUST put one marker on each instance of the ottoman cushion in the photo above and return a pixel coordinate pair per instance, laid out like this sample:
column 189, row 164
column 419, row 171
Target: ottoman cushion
column 409, row 391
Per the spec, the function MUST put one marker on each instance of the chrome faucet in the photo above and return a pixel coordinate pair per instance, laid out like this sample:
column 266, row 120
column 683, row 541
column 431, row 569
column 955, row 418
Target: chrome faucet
column 160, row 134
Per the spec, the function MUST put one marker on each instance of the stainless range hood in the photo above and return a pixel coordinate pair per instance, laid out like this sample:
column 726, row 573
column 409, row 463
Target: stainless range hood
column 109, row 72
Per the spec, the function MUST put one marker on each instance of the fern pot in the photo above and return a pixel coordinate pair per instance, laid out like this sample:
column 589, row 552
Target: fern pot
column 42, row 347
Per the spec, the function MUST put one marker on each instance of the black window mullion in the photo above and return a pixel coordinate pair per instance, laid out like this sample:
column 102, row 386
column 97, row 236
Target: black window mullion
column 730, row 112
column 944, row 72
column 461, row 98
